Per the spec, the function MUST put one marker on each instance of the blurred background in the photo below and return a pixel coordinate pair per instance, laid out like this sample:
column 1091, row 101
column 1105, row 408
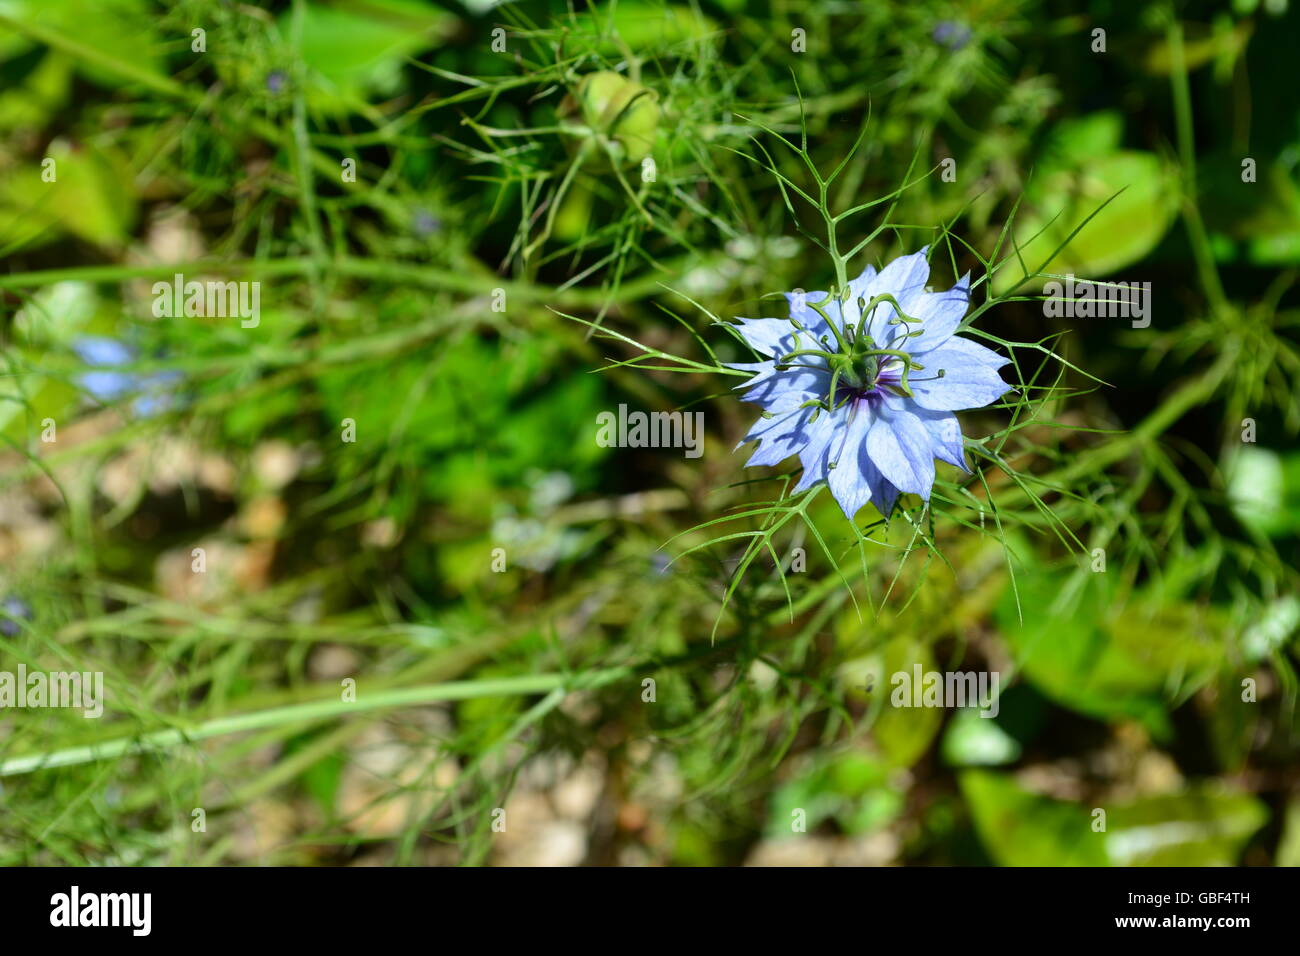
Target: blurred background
column 365, row 588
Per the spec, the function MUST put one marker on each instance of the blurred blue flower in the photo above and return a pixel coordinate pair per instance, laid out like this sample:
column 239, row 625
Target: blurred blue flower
column 661, row 563
column 863, row 386
column 951, row 34
column 425, row 224
column 12, row 610
column 107, row 384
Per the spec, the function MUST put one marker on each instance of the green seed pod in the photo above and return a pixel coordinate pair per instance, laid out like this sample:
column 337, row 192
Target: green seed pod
column 624, row 114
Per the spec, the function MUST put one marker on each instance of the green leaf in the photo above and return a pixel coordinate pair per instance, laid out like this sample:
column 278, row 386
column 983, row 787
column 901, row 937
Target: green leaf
column 87, row 198
column 1066, row 653
column 1273, row 628
column 1082, row 170
column 903, row 734
column 645, row 25
column 852, row 789
column 1019, row 828
column 1288, row 851
column 1256, row 221
column 352, row 54
column 321, row 779
column 972, row 741
column 1231, row 722
column 1202, row 826
column 126, row 30
column 1259, row 492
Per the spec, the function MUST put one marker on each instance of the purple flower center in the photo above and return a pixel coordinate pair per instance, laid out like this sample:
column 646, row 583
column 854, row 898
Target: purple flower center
column 877, row 380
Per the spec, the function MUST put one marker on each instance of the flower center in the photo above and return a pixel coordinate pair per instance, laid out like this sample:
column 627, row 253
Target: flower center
column 858, row 368
column 868, row 370
column 870, row 373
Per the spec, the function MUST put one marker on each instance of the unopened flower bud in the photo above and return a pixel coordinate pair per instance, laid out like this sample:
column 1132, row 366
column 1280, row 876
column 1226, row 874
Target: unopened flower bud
column 625, row 114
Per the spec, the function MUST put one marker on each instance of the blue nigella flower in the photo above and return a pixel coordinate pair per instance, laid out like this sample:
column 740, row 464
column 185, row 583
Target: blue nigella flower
column 107, row 384
column 12, row 610
column 862, row 386
column 951, row 34
column 425, row 223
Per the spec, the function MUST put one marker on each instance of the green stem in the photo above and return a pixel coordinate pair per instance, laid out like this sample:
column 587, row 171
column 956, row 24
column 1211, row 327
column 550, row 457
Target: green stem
column 311, row 712
column 1200, row 241
column 351, row 267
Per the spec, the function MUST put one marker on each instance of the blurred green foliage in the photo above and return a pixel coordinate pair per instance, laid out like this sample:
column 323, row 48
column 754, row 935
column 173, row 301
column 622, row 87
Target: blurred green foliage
column 1158, row 686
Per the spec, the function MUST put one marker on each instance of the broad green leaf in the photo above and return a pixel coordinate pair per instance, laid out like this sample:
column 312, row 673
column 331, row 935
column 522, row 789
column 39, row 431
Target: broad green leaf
column 1019, row 828
column 1065, row 651
column 1203, row 826
column 1231, row 721
column 1201, row 44
column 973, row 741
column 1082, row 170
column 903, row 734
column 1288, row 851
column 1257, row 221
column 641, row 25
column 350, row 54
column 1273, row 629
column 1254, row 478
column 850, row 788
column 125, row 30
column 43, row 91
column 87, row 198
column 1181, row 644
column 1200, row 826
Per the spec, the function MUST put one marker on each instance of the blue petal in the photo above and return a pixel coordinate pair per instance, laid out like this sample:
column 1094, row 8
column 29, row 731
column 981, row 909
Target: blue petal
column 775, row 337
column 813, row 455
column 973, row 352
column 883, row 494
column 147, row 406
column 159, row 395
column 862, row 283
column 855, row 479
column 765, row 427
column 781, row 436
column 801, row 310
column 902, row 278
column 789, row 389
column 769, row 337
column 940, row 314
column 761, row 370
column 101, row 351
column 945, row 433
column 106, row 386
column 769, row 386
column 859, row 289
column 966, row 383
column 900, row 446
column 846, row 480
